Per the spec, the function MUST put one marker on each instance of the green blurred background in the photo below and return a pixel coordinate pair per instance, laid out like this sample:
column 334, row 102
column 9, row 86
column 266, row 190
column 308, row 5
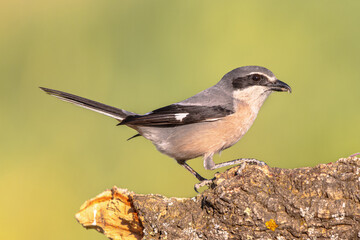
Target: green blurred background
column 141, row 55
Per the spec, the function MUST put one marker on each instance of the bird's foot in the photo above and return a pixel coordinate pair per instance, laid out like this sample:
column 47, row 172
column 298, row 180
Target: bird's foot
column 249, row 161
column 255, row 162
column 206, row 182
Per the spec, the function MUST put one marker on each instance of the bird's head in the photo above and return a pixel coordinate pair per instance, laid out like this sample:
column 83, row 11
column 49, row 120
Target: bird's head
column 252, row 84
column 253, row 80
column 254, row 76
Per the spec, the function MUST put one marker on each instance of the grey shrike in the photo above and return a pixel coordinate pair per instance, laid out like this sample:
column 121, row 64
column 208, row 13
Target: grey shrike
column 202, row 125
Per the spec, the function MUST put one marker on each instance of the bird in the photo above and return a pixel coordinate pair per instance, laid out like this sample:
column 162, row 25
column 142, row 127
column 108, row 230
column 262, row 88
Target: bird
column 202, row 125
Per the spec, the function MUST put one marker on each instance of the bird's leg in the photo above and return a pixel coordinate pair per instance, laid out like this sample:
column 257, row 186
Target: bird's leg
column 210, row 165
column 238, row 161
column 193, row 172
column 203, row 181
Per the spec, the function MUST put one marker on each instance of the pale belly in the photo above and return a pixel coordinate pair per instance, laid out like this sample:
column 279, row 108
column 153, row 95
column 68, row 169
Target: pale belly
column 199, row 139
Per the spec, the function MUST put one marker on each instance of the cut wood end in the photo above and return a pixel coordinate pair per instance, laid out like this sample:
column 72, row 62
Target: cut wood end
column 104, row 211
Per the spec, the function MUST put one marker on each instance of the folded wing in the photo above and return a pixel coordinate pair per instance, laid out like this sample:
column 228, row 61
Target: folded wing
column 177, row 114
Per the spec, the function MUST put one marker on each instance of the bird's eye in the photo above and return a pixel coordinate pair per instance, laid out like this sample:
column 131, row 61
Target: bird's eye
column 256, row 77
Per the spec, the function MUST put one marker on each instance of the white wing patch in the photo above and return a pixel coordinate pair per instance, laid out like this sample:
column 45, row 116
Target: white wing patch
column 180, row 116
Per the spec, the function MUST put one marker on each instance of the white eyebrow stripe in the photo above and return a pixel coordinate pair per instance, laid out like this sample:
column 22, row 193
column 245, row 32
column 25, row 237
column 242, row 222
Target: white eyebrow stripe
column 272, row 79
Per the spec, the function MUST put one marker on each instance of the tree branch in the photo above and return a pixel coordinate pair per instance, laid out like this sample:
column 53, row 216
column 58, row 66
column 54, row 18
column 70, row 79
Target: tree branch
column 257, row 203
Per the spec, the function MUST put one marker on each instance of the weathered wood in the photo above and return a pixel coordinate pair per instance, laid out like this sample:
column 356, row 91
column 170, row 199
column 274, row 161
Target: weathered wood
column 259, row 202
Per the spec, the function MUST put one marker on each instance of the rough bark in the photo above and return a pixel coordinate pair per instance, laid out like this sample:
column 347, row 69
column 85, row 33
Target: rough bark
column 259, row 202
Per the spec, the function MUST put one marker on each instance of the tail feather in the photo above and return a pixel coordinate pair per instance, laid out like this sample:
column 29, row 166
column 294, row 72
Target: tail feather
column 110, row 111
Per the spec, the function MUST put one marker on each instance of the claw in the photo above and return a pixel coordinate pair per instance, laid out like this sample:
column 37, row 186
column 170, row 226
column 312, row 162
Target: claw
column 253, row 162
column 203, row 183
column 208, row 182
column 257, row 162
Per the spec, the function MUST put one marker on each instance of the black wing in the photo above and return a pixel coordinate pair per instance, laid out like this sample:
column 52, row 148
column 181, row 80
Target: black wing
column 177, row 114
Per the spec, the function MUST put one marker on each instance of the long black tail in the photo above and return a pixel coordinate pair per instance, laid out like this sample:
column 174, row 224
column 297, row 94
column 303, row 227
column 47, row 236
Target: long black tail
column 113, row 112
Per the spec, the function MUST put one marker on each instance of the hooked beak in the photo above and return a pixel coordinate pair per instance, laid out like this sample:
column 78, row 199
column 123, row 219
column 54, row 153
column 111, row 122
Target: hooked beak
column 280, row 86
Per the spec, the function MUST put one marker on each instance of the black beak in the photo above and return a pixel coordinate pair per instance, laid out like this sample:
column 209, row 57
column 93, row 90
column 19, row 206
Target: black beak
column 280, row 86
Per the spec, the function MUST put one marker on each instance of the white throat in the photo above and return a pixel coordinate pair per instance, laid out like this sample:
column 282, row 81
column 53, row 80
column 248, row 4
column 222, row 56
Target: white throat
column 254, row 96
